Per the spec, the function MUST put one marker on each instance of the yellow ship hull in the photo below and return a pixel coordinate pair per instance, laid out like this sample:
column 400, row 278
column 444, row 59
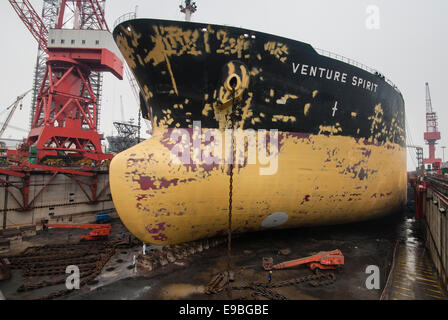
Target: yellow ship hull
column 319, row 180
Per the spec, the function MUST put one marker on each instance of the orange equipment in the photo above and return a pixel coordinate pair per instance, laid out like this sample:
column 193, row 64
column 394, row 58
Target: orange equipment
column 322, row 260
column 98, row 230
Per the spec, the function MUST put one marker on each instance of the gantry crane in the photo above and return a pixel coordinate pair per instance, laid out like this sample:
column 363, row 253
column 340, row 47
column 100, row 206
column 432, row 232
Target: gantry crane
column 432, row 134
column 65, row 116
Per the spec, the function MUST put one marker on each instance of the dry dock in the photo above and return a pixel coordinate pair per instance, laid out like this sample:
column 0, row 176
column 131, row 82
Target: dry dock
column 393, row 243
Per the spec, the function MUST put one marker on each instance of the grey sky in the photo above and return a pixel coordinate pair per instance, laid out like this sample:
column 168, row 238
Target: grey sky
column 410, row 48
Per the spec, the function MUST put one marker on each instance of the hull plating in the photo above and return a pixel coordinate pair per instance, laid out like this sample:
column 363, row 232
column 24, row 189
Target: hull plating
column 340, row 155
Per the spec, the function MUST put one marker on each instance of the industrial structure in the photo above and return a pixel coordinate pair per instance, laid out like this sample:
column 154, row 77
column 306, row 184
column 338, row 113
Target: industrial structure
column 419, row 154
column 128, row 136
column 432, row 134
column 188, row 9
column 12, row 108
column 60, row 171
column 65, row 113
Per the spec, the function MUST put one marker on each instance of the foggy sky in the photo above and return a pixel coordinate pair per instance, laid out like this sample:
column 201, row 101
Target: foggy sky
column 410, row 48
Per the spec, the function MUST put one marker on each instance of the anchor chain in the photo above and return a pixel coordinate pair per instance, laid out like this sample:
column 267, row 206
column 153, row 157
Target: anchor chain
column 229, row 232
column 51, row 260
column 264, row 289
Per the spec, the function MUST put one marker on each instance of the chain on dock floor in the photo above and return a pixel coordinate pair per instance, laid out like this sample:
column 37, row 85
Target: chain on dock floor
column 414, row 276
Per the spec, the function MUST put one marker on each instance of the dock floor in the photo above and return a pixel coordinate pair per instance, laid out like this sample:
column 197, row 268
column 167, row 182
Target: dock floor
column 364, row 244
column 413, row 276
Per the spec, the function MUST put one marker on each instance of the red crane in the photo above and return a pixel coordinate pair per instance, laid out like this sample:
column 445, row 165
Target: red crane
column 432, row 134
column 65, row 116
column 324, row 260
column 98, row 231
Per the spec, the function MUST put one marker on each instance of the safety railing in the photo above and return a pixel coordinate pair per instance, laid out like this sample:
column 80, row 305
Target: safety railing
column 356, row 64
column 125, row 17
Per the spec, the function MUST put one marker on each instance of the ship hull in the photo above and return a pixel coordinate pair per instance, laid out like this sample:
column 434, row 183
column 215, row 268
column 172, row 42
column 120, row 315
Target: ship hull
column 336, row 143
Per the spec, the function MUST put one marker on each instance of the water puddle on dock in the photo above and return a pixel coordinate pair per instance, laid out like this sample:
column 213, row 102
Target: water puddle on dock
column 138, row 294
column 180, row 291
column 411, row 233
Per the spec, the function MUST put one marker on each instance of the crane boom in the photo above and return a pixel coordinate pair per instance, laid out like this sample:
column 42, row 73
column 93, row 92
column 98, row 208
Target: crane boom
column 99, row 13
column 428, row 99
column 13, row 109
column 32, row 21
column 98, row 231
column 431, row 117
column 93, row 12
column 321, row 260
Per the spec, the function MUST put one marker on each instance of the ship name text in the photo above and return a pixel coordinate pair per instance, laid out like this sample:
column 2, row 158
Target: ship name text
column 333, row 75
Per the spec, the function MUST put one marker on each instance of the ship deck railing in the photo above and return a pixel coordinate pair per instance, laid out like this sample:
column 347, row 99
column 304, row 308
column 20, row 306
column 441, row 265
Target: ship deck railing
column 125, row 17
column 329, row 54
column 355, row 63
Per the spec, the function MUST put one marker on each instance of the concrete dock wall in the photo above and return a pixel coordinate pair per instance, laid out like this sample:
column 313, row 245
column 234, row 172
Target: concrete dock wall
column 436, row 229
column 62, row 201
